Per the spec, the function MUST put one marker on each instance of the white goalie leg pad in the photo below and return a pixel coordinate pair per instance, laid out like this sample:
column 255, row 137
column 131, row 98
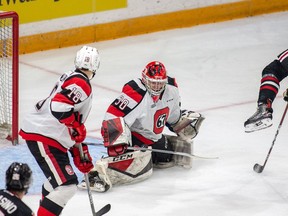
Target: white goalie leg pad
column 180, row 145
column 130, row 167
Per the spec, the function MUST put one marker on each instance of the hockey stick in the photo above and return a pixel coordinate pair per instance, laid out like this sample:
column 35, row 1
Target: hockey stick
column 159, row 150
column 169, row 152
column 107, row 207
column 257, row 167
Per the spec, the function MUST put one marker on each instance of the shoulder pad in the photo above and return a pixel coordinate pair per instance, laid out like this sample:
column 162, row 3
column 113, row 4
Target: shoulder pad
column 172, row 81
column 133, row 90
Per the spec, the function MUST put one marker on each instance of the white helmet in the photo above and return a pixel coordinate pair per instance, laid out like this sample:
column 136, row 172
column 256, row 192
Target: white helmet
column 87, row 58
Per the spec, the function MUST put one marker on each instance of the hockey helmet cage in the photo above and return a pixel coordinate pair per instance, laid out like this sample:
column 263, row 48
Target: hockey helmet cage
column 87, row 58
column 18, row 177
column 154, row 77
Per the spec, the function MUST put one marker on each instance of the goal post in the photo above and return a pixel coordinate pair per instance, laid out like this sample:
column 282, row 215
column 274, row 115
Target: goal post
column 9, row 70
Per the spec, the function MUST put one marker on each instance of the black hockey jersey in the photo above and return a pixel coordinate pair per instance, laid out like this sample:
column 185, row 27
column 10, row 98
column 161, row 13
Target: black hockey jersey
column 12, row 205
column 283, row 58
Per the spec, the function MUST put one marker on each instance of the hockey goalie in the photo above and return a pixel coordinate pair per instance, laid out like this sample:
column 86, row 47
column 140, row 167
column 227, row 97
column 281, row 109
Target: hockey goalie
column 137, row 118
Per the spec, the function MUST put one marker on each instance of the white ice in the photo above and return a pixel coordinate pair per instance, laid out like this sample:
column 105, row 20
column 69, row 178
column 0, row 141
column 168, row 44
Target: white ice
column 218, row 69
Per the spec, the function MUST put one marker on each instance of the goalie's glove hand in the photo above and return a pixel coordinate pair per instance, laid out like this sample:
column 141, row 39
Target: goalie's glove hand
column 285, row 95
column 84, row 164
column 189, row 124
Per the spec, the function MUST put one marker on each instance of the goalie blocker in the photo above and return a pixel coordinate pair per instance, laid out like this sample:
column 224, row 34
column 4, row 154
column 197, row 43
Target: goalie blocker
column 123, row 166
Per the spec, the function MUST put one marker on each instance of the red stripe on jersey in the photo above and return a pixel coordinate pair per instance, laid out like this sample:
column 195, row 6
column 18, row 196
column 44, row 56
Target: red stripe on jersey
column 121, row 165
column 81, row 82
column 283, row 56
column 172, row 81
column 270, row 78
column 267, row 87
column 55, row 163
column 115, row 111
column 61, row 98
column 43, row 139
column 143, row 139
column 128, row 90
column 44, row 211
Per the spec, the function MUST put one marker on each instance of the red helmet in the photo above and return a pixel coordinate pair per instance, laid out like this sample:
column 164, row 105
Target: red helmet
column 154, row 76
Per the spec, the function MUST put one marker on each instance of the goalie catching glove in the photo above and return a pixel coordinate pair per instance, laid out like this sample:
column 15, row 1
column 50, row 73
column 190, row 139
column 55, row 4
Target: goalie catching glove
column 116, row 135
column 188, row 125
column 84, row 164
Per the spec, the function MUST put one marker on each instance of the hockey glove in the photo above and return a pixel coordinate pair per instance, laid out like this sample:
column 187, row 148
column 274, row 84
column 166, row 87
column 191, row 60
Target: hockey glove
column 285, row 95
column 77, row 129
column 78, row 133
column 189, row 124
column 84, row 164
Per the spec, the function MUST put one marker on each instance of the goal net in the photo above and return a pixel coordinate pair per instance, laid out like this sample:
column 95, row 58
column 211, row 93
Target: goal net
column 9, row 61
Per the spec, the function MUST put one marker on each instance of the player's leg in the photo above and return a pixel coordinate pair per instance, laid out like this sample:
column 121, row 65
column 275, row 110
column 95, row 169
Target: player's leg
column 272, row 75
column 56, row 166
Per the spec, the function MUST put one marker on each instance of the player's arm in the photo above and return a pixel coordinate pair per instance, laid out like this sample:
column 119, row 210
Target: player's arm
column 74, row 90
column 127, row 103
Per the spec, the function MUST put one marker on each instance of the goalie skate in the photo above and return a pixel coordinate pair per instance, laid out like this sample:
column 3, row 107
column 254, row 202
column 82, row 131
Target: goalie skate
column 96, row 183
column 261, row 119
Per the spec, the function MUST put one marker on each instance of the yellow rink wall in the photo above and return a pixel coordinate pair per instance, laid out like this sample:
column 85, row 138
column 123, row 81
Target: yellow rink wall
column 148, row 24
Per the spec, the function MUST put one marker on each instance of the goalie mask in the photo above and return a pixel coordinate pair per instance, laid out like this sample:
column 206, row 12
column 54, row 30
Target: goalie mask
column 18, row 177
column 154, row 77
column 87, row 58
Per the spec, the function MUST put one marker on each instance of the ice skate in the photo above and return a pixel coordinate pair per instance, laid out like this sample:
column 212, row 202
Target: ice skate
column 261, row 119
column 96, row 183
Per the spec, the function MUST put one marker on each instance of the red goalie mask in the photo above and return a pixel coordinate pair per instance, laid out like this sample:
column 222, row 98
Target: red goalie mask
column 154, row 76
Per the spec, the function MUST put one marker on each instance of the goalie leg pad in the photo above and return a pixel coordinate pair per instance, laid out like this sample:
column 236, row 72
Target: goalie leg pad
column 130, row 167
column 180, row 145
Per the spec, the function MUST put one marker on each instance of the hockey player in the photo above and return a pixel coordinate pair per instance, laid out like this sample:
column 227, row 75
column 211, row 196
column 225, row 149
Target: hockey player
column 18, row 180
column 137, row 118
column 56, row 125
column 272, row 75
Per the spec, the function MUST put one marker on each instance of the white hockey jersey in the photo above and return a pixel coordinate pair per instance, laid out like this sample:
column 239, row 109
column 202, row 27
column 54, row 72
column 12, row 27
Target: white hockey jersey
column 71, row 93
column 146, row 118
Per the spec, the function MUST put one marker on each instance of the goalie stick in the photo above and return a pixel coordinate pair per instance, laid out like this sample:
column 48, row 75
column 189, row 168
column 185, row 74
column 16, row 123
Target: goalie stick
column 135, row 148
column 159, row 150
column 104, row 209
column 257, row 167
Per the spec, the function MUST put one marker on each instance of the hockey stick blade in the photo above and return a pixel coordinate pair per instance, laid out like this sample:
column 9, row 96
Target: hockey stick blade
column 258, row 168
column 103, row 210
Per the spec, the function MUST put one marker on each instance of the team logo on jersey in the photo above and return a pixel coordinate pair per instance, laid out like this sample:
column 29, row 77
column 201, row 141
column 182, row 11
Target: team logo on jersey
column 160, row 118
column 69, row 170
